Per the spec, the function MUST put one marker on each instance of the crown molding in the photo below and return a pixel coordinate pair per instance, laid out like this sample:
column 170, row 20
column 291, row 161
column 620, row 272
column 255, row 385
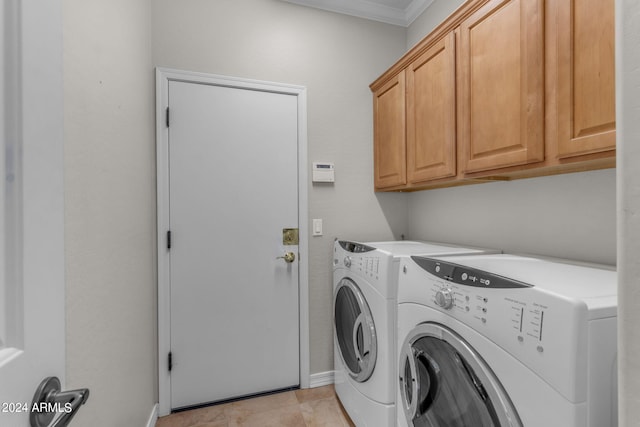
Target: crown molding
column 373, row 10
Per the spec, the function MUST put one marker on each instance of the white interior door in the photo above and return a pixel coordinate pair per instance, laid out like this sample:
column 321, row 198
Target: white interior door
column 31, row 216
column 233, row 188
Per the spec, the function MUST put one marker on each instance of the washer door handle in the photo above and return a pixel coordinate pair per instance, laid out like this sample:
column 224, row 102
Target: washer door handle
column 359, row 324
column 475, row 381
column 352, row 318
column 409, row 385
column 433, row 386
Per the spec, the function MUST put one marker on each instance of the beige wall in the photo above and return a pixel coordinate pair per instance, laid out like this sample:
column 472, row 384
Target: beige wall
column 437, row 12
column 110, row 209
column 568, row 216
column 628, row 128
column 335, row 57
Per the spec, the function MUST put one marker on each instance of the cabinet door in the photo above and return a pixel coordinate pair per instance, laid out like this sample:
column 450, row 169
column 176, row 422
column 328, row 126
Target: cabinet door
column 501, row 84
column 431, row 113
column 389, row 134
column 586, row 77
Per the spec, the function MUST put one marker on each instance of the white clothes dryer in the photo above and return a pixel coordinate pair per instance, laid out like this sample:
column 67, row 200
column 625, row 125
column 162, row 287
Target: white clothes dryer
column 506, row 340
column 365, row 290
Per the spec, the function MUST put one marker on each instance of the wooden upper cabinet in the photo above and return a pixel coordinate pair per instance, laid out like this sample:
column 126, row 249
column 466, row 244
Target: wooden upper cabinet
column 502, row 89
column 586, row 77
column 389, row 134
column 431, row 113
column 501, row 85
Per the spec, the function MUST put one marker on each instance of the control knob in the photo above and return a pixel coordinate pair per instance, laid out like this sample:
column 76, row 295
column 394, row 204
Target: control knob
column 444, row 298
column 347, row 261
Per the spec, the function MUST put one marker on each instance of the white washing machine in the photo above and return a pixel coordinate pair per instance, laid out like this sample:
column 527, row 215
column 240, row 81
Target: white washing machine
column 365, row 290
column 505, row 340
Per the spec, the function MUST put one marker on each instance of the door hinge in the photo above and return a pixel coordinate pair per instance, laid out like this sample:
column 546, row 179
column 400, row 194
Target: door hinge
column 167, row 116
column 170, row 361
column 169, row 239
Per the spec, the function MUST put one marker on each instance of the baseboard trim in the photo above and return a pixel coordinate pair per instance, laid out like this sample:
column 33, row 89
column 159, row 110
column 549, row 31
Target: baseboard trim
column 153, row 418
column 321, row 379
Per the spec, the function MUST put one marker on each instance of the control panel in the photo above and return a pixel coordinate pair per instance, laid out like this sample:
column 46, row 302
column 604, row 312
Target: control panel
column 470, row 294
column 358, row 258
column 367, row 266
column 465, row 275
column 362, row 262
column 461, row 289
column 460, row 300
column 354, row 247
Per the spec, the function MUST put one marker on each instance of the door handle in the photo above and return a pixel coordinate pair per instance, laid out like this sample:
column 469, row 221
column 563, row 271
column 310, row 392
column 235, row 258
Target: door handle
column 289, row 257
column 50, row 400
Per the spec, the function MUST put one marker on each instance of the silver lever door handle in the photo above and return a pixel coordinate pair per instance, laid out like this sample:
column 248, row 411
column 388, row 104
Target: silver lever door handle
column 49, row 400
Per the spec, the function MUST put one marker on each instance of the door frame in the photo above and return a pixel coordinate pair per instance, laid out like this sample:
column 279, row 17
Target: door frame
column 163, row 77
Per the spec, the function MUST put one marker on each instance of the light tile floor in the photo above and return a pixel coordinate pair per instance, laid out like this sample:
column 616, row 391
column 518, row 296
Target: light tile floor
column 315, row 407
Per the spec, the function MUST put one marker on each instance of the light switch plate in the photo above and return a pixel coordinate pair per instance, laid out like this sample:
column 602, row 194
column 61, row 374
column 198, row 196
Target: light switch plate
column 317, row 227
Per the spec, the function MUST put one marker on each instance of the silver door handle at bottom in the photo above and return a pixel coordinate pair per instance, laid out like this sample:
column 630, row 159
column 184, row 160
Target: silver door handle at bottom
column 49, row 400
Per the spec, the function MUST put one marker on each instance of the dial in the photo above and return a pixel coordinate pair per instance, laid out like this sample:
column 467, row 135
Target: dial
column 444, row 298
column 347, row 261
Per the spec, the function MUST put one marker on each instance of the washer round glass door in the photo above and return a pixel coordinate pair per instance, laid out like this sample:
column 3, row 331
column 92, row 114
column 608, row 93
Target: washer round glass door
column 355, row 331
column 445, row 383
